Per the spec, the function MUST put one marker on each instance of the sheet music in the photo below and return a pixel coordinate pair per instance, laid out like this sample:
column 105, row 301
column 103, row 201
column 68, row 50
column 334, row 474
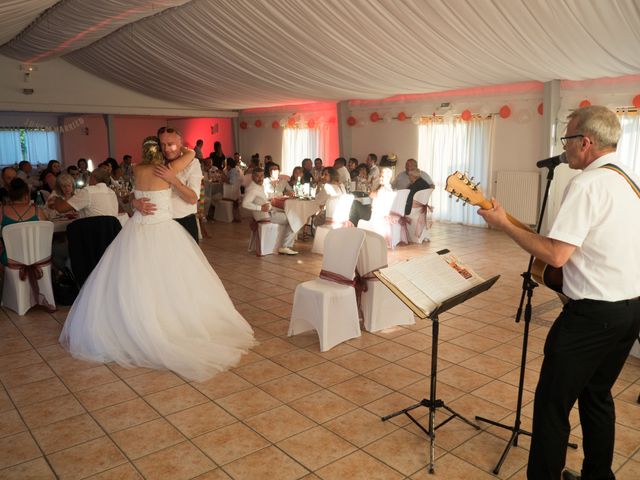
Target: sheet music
column 431, row 279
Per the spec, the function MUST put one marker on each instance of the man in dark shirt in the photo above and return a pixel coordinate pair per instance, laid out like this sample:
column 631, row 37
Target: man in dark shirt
column 8, row 174
column 416, row 183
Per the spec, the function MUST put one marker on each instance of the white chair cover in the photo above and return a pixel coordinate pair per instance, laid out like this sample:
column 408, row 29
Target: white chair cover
column 380, row 208
column 337, row 216
column 380, row 307
column 418, row 226
column 266, row 237
column 397, row 221
column 224, row 206
column 27, row 243
column 328, row 307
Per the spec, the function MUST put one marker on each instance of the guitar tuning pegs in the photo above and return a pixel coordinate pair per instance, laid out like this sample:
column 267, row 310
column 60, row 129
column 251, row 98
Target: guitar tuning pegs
column 450, row 195
column 467, row 200
column 457, row 199
column 475, row 187
column 471, row 179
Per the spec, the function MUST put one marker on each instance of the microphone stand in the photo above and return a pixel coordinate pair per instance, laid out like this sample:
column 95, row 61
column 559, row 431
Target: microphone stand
column 528, row 284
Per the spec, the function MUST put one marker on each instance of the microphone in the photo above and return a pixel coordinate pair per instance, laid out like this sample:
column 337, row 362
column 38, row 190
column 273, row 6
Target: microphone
column 552, row 162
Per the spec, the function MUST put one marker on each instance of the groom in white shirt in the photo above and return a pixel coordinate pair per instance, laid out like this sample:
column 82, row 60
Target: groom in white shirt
column 185, row 185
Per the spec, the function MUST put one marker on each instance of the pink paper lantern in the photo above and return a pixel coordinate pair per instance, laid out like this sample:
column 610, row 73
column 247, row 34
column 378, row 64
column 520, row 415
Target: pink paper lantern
column 505, row 111
column 540, row 108
column 466, row 115
column 258, row 123
column 243, row 125
column 351, row 121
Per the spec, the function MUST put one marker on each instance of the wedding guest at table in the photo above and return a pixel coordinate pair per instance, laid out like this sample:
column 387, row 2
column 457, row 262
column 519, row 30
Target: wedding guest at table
column 48, row 176
column 317, row 170
column 274, row 186
column 74, row 171
column 341, row 166
column 84, row 172
column 234, row 178
column 95, row 199
column 117, row 177
column 374, row 172
column 24, row 171
column 352, row 166
column 48, row 184
column 8, row 174
column 329, row 186
column 362, row 178
column 219, row 158
column 65, row 188
column 253, row 164
column 402, row 179
column 268, row 163
column 127, row 168
column 416, row 183
column 296, row 177
column 256, row 201
column 307, row 170
column 198, row 149
column 19, row 209
column 239, row 163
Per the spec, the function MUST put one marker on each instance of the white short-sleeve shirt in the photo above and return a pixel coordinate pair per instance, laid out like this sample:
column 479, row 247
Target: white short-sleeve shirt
column 600, row 215
column 192, row 177
column 94, row 200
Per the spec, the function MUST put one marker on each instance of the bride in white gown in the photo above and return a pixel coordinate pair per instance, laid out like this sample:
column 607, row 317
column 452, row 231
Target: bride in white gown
column 153, row 300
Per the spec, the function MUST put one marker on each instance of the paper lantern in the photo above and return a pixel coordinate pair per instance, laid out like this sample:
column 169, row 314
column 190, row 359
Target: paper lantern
column 243, row 125
column 505, row 111
column 416, row 119
column 540, row 108
column 402, row 116
column 466, row 115
column 584, row 103
column 311, row 123
column 258, row 123
column 275, row 124
column 374, row 117
column 636, row 101
column 351, row 121
column 291, row 122
column 386, row 118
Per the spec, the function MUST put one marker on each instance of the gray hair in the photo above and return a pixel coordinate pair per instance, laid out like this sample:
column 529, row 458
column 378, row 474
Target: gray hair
column 598, row 123
column 62, row 180
column 100, row 175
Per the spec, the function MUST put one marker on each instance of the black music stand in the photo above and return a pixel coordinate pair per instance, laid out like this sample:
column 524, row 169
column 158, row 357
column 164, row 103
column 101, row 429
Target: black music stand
column 434, row 403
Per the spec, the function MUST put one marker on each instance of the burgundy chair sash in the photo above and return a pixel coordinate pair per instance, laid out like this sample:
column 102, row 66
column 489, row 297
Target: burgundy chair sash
column 403, row 221
column 361, row 286
column 33, row 273
column 337, row 278
column 254, row 225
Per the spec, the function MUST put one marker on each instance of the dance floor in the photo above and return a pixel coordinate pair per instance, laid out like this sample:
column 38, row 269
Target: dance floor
column 288, row 411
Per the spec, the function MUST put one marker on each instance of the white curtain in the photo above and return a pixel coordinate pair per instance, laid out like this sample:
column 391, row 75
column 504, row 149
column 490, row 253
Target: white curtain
column 10, row 151
column 42, row 146
column 449, row 145
column 629, row 145
column 298, row 144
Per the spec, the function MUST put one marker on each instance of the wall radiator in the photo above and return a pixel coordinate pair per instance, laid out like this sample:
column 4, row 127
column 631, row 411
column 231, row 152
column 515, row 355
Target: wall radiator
column 518, row 192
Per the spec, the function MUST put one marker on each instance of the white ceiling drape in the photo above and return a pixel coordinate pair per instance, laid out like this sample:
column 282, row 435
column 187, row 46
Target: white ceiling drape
column 233, row 54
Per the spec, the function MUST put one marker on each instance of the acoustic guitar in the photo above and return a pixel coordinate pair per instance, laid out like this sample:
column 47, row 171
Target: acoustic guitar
column 460, row 186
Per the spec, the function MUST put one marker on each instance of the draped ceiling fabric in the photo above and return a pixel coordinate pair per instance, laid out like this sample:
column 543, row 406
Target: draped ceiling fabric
column 234, row 54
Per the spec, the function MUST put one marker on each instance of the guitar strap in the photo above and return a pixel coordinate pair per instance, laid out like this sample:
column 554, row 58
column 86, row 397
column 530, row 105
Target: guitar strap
column 617, row 169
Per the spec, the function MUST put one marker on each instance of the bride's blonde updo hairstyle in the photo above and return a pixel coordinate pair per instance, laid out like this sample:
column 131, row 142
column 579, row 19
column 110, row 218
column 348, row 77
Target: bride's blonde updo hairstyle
column 151, row 152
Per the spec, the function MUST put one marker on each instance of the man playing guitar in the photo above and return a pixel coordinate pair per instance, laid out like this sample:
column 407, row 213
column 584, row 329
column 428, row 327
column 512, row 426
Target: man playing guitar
column 594, row 239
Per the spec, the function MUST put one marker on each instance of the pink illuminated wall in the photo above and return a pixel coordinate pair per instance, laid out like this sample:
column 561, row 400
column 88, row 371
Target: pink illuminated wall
column 208, row 129
column 88, row 141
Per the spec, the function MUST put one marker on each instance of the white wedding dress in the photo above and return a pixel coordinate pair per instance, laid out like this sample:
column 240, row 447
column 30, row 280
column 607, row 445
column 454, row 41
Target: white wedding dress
column 154, row 301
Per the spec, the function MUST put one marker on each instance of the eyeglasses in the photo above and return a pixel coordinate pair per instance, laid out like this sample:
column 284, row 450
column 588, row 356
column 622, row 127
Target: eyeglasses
column 563, row 140
column 162, row 130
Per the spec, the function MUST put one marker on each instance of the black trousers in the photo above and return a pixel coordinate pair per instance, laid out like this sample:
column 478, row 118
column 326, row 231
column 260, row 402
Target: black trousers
column 584, row 352
column 190, row 224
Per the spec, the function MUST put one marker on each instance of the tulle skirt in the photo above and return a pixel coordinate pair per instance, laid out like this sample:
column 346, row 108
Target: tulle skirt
column 154, row 301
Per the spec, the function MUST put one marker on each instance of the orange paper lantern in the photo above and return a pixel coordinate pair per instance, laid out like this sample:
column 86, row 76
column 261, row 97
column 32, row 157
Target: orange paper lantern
column 258, row 123
column 351, row 121
column 402, row 116
column 584, row 103
column 636, row 101
column 540, row 108
column 466, row 115
column 374, row 117
column 505, row 111
column 243, row 125
column 311, row 123
column 291, row 122
column 275, row 124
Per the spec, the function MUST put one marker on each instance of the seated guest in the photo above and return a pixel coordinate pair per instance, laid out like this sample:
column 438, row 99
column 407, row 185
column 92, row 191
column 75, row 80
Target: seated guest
column 198, row 149
column 402, row 179
column 256, row 201
column 24, row 170
column 268, row 163
column 317, row 170
column 74, row 171
column 18, row 209
column 274, row 186
column 65, row 188
column 117, row 179
column 416, row 183
column 233, row 177
column 352, row 166
column 96, row 199
column 341, row 166
column 329, row 186
column 307, row 170
column 362, row 178
column 48, row 183
column 83, row 178
column 374, row 172
column 8, row 174
column 382, row 195
column 296, row 177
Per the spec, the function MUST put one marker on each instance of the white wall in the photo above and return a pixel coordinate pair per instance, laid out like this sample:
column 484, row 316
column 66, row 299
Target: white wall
column 61, row 87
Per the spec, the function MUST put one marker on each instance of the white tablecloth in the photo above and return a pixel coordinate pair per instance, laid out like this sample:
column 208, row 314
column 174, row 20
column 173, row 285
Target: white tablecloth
column 298, row 211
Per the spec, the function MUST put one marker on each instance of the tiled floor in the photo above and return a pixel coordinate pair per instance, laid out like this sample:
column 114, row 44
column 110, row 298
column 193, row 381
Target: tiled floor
column 288, row 411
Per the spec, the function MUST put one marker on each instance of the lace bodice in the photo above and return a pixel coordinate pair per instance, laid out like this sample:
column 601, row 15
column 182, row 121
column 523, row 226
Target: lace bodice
column 162, row 201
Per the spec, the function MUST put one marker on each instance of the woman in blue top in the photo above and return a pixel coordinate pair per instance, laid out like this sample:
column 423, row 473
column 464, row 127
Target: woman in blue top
column 18, row 209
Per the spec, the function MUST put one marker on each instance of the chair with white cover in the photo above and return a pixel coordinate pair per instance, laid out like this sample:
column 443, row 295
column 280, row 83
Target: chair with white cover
column 380, row 307
column 380, row 208
column 328, row 303
column 336, row 216
column 419, row 210
column 28, row 246
column 266, row 237
column 397, row 221
column 224, row 206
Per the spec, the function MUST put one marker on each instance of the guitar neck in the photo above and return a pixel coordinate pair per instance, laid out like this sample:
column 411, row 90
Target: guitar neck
column 487, row 205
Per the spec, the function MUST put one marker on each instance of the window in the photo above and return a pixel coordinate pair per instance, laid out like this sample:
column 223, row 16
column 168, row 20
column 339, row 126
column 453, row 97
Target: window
column 300, row 143
column 445, row 146
column 629, row 145
column 36, row 146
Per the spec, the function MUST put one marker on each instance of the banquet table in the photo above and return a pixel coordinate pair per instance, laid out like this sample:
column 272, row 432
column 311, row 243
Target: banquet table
column 299, row 210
